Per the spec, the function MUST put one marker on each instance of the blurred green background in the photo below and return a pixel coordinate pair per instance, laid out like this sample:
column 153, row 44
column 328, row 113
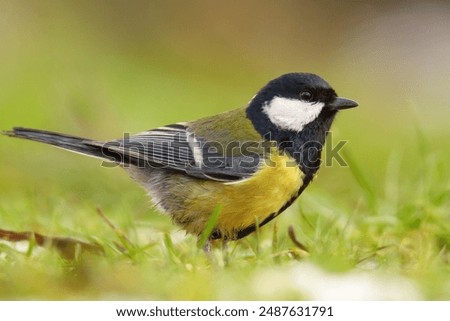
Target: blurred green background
column 102, row 68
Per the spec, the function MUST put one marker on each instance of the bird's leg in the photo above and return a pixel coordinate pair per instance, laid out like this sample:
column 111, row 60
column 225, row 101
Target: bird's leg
column 225, row 255
column 224, row 245
column 207, row 247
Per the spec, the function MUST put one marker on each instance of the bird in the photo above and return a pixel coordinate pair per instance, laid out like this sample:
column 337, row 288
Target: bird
column 251, row 162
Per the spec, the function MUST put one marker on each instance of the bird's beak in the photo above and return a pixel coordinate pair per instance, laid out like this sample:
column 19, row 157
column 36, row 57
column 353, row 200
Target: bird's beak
column 342, row 103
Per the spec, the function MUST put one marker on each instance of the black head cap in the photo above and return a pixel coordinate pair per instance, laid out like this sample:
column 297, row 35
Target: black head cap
column 293, row 84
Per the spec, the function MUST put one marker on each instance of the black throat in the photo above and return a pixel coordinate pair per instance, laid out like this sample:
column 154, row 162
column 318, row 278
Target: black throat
column 304, row 146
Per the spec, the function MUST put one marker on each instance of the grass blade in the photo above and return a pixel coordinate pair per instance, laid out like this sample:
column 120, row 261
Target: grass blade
column 210, row 225
column 361, row 179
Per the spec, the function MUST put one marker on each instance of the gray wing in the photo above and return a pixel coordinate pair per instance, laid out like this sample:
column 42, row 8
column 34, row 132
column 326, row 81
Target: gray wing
column 174, row 147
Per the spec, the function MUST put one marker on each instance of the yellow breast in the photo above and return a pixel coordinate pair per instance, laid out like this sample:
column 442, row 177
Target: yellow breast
column 248, row 201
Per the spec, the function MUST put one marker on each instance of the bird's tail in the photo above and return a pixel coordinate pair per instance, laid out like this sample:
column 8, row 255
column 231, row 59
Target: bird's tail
column 75, row 144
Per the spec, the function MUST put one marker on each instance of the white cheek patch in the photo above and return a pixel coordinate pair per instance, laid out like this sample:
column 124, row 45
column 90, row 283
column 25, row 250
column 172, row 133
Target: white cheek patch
column 291, row 114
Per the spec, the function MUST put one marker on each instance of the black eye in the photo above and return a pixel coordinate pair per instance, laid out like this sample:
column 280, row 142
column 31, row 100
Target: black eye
column 306, row 95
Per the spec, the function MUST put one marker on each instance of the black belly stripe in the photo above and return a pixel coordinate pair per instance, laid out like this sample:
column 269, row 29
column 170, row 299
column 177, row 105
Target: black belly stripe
column 250, row 229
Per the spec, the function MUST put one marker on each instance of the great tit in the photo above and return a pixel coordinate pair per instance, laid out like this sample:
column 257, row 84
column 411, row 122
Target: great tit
column 253, row 162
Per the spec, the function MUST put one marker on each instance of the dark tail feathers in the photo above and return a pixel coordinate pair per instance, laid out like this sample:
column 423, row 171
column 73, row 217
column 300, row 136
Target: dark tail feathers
column 72, row 143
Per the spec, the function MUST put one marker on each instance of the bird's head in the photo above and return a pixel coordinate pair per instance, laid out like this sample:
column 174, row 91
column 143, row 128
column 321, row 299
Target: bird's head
column 291, row 102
